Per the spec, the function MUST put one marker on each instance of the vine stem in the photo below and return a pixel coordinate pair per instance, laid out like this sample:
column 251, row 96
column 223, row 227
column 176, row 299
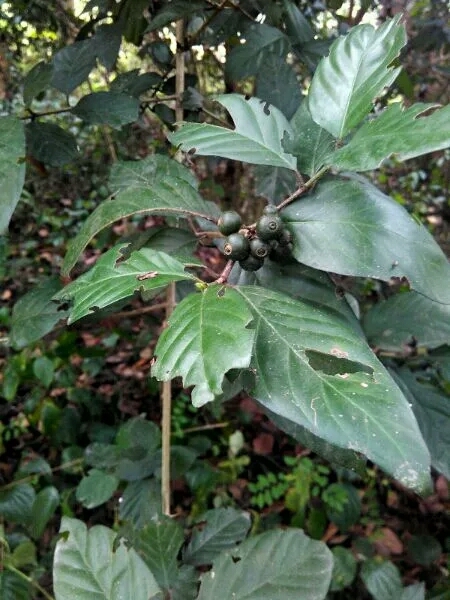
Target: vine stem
column 30, row 581
column 170, row 298
column 223, row 277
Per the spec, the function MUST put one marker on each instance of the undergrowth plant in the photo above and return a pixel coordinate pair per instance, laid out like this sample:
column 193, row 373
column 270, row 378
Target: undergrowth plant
column 276, row 321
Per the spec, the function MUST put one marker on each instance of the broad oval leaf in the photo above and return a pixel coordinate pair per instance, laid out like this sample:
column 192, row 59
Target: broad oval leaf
column 250, row 57
column 206, row 337
column 72, row 65
column 50, row 144
column 141, row 503
column 396, row 322
column 16, row 503
column 350, row 227
column 383, row 580
column 344, row 568
column 274, row 183
column 256, row 139
column 13, row 587
column 406, row 133
column 12, row 167
column 96, row 488
column 356, row 71
column 225, row 527
column 112, row 279
column 175, row 10
column 276, row 565
column 314, row 369
column 87, row 565
column 277, row 84
column 164, row 195
column 109, row 108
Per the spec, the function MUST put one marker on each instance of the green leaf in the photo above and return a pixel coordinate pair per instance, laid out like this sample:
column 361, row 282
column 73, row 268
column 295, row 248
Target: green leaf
column 50, row 144
column 274, row 183
column 96, row 488
column 144, row 174
column 185, row 587
column 13, row 587
column 276, row 565
column 112, row 279
column 43, row 509
column 36, row 81
column 12, row 167
column 175, row 10
column 207, row 336
column 344, row 569
column 158, row 543
column 350, row 227
column 134, row 84
column 34, row 315
column 310, row 144
column 17, row 502
column 256, row 139
column 179, row 243
column 72, row 65
column 297, row 27
column 225, row 527
column 159, row 193
column 109, row 108
column 424, row 549
column 277, row 84
column 413, row 592
column 356, row 71
column 250, row 57
column 382, row 579
column 337, row 456
column 395, row 322
column 405, row 133
column 24, row 555
column 329, row 381
column 432, row 412
column 141, row 503
column 87, row 565
column 107, row 43
column 44, row 370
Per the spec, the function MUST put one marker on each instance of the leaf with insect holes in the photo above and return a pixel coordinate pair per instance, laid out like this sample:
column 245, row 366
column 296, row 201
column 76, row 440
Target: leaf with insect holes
column 314, row 368
column 356, row 71
column 207, row 336
column 405, row 133
column 111, row 280
column 256, row 139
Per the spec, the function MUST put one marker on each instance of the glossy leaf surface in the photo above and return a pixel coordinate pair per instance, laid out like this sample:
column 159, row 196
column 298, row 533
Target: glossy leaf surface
column 356, row 71
column 72, row 65
column 12, row 167
column 96, row 488
column 350, row 227
column 405, row 133
column 314, row 369
column 207, row 336
column 276, row 565
column 382, row 579
column 225, row 527
column 256, row 139
column 310, row 144
column 112, row 279
column 402, row 318
column 86, row 566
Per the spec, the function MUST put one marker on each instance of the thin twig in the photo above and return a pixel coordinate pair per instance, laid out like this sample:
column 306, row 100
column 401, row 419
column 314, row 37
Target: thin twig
column 12, row 484
column 304, row 188
column 206, row 427
column 223, row 277
column 30, row 581
column 128, row 314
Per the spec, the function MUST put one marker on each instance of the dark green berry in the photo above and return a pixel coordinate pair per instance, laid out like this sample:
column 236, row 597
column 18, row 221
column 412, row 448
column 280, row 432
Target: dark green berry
column 270, row 209
column 269, row 227
column 285, row 237
column 237, row 247
column 258, row 248
column 251, row 263
column 229, row 222
column 281, row 254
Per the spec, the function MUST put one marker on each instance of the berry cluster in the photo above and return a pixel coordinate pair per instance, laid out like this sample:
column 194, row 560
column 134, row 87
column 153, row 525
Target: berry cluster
column 251, row 245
